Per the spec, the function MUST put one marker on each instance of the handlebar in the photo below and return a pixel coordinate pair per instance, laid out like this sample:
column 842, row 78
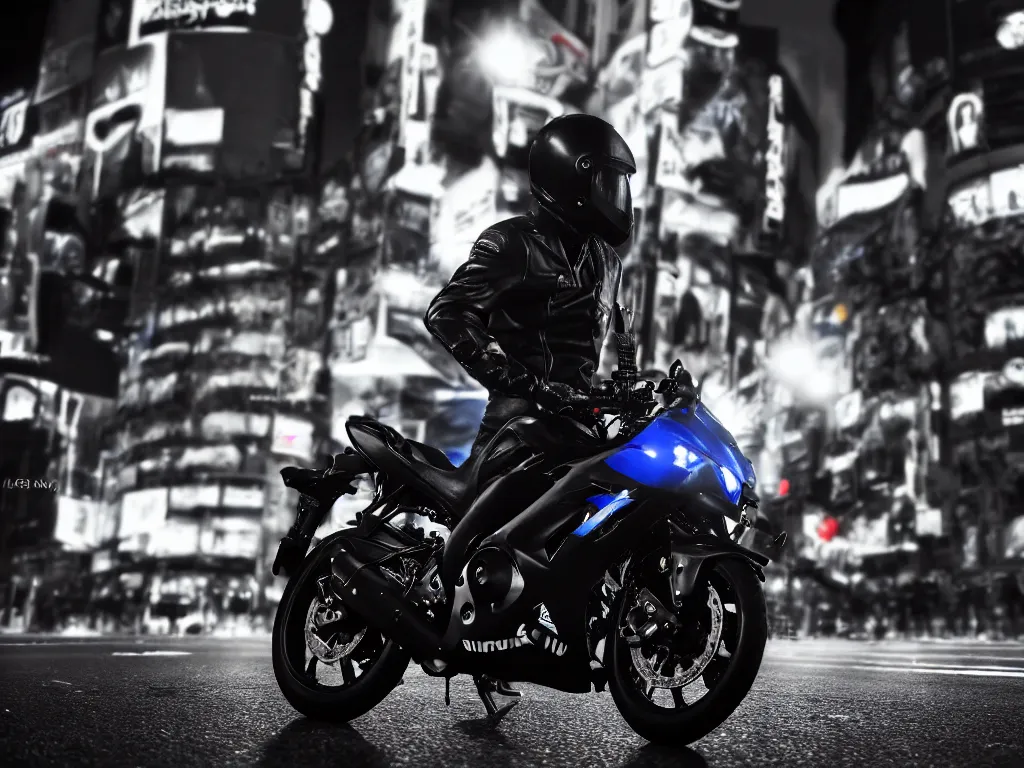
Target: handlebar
column 637, row 398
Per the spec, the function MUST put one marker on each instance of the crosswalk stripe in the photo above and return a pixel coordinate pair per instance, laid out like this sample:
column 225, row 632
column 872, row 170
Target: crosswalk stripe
column 961, row 671
column 151, row 653
column 907, row 663
column 912, row 657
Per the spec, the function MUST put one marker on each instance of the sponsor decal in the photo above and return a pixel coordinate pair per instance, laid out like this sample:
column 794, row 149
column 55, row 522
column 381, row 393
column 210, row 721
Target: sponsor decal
column 545, row 620
column 491, row 646
column 548, row 643
column 535, row 637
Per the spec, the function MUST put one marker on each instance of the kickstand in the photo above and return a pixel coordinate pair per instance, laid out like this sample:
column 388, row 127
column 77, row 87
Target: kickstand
column 447, row 691
column 486, row 688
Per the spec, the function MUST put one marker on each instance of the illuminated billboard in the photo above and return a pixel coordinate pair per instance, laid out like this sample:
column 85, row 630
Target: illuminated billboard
column 232, row 105
column 18, row 122
column 122, row 127
column 278, row 17
column 68, row 47
column 712, row 166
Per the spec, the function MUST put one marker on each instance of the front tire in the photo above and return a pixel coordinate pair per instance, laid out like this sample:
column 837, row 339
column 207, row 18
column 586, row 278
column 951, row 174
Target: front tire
column 381, row 662
column 728, row 677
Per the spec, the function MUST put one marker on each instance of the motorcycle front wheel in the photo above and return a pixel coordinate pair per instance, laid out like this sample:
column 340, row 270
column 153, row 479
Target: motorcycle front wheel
column 329, row 665
column 680, row 683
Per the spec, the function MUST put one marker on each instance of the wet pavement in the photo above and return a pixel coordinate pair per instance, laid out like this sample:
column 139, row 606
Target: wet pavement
column 214, row 702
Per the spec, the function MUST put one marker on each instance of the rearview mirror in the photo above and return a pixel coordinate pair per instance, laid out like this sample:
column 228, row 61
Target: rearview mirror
column 675, row 369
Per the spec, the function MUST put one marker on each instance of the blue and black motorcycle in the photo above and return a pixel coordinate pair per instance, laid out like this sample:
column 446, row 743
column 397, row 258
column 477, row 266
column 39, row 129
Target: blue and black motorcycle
column 574, row 562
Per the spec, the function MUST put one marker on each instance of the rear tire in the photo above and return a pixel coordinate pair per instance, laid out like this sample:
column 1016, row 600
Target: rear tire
column 693, row 722
column 316, row 701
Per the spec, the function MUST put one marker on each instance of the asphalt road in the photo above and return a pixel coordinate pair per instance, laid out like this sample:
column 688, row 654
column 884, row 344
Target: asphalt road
column 215, row 703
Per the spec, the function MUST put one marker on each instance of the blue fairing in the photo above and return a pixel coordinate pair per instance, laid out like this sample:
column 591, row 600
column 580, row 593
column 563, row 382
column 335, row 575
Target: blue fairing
column 607, row 505
column 685, row 449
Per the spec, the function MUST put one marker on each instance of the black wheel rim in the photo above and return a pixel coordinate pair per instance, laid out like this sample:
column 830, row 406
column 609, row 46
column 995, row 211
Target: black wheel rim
column 336, row 629
column 670, row 654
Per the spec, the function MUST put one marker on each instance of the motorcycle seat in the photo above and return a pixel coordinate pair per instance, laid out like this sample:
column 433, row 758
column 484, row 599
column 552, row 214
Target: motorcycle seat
column 428, row 468
column 452, row 486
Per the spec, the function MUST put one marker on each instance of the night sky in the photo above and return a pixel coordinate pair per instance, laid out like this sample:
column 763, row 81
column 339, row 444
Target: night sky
column 811, row 49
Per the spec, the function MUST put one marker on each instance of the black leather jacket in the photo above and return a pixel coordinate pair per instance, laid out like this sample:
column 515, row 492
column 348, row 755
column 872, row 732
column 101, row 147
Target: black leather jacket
column 532, row 304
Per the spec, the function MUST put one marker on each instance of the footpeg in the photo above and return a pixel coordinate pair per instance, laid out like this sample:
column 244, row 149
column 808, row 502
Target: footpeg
column 486, row 688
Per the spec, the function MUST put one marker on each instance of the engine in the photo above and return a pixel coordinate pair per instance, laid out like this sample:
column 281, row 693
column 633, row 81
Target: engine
column 421, row 523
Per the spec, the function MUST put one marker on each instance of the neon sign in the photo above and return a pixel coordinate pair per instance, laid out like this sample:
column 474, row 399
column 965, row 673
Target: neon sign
column 198, row 13
column 775, row 157
column 318, row 21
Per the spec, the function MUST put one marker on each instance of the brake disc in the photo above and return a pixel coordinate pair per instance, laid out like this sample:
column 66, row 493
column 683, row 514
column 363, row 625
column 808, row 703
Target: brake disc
column 685, row 675
column 316, row 617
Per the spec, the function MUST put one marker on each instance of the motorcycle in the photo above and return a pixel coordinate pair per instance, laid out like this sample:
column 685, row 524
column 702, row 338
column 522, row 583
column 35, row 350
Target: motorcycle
column 571, row 562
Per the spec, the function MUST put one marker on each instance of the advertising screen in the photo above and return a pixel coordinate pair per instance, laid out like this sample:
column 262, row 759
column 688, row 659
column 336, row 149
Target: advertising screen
column 115, row 17
column 68, row 47
column 77, row 526
column 232, row 105
column 713, row 166
column 142, row 511
column 18, row 122
column 122, row 128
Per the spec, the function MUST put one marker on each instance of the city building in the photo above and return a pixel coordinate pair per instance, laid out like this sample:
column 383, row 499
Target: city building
column 914, row 291
column 158, row 259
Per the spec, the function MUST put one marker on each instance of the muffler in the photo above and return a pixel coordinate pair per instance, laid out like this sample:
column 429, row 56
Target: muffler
column 374, row 598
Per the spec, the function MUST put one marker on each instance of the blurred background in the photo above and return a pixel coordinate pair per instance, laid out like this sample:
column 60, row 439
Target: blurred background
column 221, row 224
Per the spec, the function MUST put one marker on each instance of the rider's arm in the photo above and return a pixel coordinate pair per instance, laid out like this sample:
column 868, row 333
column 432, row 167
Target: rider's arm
column 458, row 316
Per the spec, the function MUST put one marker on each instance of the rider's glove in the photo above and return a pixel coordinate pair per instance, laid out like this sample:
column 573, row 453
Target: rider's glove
column 561, row 399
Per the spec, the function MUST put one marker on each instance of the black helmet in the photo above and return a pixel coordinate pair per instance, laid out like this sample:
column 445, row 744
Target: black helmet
column 579, row 172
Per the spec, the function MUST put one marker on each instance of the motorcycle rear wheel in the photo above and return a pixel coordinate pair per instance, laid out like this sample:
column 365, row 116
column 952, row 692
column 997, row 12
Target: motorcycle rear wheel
column 296, row 677
column 728, row 679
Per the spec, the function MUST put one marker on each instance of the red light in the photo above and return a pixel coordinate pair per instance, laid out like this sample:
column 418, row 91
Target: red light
column 828, row 529
column 783, row 487
column 597, row 411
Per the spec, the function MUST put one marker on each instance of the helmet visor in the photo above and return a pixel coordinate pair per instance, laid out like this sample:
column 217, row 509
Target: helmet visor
column 612, row 186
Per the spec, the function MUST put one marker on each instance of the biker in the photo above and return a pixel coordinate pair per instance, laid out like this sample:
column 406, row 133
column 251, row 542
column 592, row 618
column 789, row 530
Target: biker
column 528, row 313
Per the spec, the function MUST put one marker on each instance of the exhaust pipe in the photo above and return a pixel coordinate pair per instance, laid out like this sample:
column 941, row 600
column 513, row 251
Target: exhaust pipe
column 374, row 598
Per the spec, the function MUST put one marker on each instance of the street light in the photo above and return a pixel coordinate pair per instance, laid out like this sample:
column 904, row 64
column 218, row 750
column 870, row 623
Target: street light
column 319, row 17
column 1010, row 34
column 507, row 57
